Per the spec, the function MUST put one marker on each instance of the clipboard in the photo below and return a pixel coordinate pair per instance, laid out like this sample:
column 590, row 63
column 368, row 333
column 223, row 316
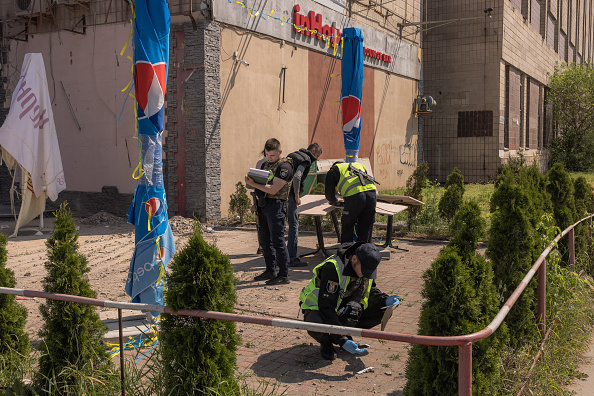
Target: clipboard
column 387, row 315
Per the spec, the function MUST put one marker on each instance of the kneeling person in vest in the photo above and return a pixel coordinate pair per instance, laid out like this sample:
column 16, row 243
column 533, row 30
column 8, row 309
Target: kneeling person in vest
column 272, row 210
column 359, row 193
column 343, row 293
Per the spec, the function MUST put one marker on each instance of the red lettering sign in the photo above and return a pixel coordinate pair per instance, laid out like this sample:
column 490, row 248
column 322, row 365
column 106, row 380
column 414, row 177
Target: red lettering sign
column 311, row 25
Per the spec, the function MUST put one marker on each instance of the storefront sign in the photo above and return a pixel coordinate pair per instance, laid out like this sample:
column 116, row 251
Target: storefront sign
column 312, row 25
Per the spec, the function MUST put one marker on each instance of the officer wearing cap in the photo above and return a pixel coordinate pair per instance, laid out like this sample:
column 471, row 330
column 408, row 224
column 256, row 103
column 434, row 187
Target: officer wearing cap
column 343, row 293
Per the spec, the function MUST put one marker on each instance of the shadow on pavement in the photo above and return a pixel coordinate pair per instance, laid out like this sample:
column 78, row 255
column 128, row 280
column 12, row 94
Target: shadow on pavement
column 303, row 363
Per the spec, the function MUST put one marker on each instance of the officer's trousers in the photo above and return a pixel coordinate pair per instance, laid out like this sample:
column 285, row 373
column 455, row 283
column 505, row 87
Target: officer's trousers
column 272, row 236
column 371, row 317
column 360, row 209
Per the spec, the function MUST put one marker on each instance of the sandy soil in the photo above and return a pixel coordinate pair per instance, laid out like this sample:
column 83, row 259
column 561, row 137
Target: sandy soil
column 105, row 240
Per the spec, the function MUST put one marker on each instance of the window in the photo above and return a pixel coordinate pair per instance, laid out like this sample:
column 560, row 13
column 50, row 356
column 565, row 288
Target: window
column 475, row 123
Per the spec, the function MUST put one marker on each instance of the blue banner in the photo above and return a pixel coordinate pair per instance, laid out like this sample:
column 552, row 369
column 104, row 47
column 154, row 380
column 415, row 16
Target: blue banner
column 352, row 90
column 154, row 239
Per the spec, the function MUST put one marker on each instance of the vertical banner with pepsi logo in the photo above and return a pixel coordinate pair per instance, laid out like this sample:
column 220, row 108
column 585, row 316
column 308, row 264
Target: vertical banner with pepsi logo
column 148, row 212
column 352, row 90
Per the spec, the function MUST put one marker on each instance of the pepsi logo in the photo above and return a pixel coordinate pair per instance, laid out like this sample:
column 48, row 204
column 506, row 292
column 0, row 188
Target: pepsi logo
column 154, row 207
column 150, row 80
column 351, row 113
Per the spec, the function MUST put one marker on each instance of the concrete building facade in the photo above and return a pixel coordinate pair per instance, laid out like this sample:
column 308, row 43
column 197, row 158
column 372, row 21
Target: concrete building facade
column 240, row 72
column 487, row 64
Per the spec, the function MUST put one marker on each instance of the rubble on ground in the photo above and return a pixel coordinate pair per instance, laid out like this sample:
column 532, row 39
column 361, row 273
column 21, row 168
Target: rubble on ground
column 104, row 218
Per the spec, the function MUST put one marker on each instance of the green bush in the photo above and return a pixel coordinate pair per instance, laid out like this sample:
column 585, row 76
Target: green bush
column 511, row 248
column 198, row 353
column 584, row 198
column 460, row 299
column 414, row 187
column 240, row 202
column 451, row 200
column 14, row 342
column 72, row 333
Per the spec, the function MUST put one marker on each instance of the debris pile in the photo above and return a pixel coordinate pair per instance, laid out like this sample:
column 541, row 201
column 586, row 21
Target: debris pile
column 104, row 218
column 182, row 225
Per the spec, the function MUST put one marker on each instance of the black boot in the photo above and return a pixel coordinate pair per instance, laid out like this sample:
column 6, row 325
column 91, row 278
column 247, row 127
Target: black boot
column 327, row 351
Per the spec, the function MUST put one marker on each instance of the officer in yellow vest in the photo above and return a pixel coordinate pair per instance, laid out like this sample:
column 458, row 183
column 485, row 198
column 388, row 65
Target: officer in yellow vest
column 343, row 293
column 359, row 193
column 272, row 211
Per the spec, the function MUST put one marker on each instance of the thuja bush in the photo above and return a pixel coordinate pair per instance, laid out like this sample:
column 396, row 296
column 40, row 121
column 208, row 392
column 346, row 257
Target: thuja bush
column 460, row 298
column 451, row 199
column 511, row 248
column 561, row 187
column 73, row 356
column 239, row 203
column 14, row 342
column 198, row 353
column 414, row 188
column 584, row 198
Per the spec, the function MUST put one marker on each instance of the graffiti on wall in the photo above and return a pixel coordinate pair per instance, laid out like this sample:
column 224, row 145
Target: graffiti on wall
column 386, row 154
column 408, row 154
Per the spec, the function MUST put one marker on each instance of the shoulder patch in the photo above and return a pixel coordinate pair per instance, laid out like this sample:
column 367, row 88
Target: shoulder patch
column 283, row 173
column 332, row 287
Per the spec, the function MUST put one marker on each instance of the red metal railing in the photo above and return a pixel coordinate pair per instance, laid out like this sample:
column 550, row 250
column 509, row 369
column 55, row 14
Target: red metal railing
column 463, row 342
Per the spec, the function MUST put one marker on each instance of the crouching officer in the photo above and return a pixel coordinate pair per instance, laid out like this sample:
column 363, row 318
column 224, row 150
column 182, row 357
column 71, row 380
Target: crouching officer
column 343, row 293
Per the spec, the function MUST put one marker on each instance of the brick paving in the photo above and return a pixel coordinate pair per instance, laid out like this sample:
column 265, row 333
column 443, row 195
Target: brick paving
column 289, row 360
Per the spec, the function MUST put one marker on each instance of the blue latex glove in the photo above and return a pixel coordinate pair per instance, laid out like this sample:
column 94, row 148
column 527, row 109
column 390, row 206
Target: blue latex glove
column 353, row 347
column 392, row 300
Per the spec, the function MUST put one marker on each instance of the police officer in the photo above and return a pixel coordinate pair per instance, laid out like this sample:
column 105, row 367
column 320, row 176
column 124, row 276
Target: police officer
column 343, row 293
column 359, row 193
column 302, row 161
column 272, row 212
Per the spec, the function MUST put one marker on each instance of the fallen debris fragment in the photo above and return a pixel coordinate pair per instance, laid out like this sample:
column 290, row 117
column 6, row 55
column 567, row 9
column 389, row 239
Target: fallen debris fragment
column 365, row 370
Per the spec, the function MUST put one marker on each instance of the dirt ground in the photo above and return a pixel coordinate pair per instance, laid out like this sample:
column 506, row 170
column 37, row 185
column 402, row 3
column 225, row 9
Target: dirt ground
column 288, row 358
column 267, row 357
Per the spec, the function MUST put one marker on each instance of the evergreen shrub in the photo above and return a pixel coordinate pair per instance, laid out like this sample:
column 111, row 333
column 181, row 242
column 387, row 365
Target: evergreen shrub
column 511, row 249
column 239, row 203
column 14, row 341
column 451, row 199
column 199, row 353
column 71, row 335
column 414, row 188
column 460, row 298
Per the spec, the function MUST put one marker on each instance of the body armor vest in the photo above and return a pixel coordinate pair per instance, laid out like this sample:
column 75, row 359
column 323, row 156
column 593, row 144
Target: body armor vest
column 283, row 193
column 309, row 294
column 350, row 183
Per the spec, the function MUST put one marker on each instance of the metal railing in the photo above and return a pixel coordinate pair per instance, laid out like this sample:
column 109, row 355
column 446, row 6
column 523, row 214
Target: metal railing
column 463, row 342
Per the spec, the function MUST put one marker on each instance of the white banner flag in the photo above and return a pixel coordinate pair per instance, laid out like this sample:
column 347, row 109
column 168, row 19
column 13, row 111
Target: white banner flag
column 29, row 131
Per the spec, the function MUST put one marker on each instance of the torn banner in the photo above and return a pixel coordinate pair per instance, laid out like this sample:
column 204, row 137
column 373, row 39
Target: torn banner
column 28, row 138
column 154, row 240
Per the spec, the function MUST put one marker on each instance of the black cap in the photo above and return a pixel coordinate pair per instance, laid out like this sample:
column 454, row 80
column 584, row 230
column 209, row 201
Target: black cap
column 370, row 257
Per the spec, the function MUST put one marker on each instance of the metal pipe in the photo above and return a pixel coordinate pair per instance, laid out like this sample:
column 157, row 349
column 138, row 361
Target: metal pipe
column 590, row 232
column 121, row 335
column 542, row 298
column 465, row 369
column 572, row 249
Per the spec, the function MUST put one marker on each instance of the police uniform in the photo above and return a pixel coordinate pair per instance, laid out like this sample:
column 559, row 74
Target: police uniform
column 272, row 214
column 360, row 199
column 302, row 161
column 337, row 296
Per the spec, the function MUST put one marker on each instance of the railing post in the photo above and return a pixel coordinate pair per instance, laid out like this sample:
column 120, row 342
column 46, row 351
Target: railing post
column 571, row 237
column 590, row 231
column 542, row 298
column 465, row 369
column 121, row 334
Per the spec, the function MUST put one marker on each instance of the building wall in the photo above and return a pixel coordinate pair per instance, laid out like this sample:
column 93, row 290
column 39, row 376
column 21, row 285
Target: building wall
column 252, row 108
column 522, row 44
column 461, row 72
column 86, row 75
